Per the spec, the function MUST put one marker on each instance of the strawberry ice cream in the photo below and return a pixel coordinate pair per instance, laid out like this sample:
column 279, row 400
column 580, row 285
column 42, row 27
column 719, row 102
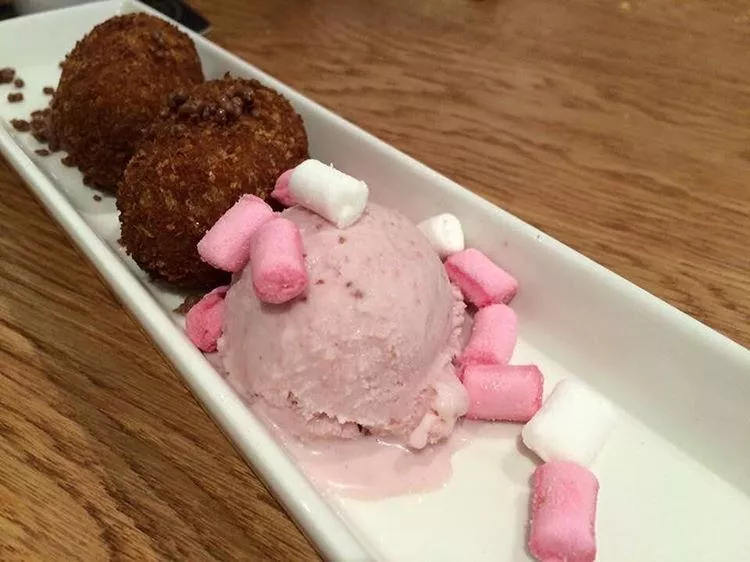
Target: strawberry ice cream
column 367, row 349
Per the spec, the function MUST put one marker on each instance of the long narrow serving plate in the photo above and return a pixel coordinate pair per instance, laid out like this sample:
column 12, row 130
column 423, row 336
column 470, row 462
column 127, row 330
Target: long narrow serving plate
column 675, row 481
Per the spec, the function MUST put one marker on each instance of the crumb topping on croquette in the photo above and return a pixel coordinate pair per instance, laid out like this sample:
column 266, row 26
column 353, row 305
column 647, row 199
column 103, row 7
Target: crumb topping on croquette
column 216, row 105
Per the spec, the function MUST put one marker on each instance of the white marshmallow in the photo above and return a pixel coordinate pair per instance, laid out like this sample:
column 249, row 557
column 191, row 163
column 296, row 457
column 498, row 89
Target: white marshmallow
column 444, row 233
column 450, row 403
column 572, row 424
column 335, row 196
column 451, row 400
column 421, row 434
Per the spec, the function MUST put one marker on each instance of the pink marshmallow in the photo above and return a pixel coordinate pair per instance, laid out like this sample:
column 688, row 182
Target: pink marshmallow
column 277, row 263
column 481, row 281
column 563, row 513
column 226, row 245
column 204, row 322
column 503, row 392
column 281, row 190
column 493, row 337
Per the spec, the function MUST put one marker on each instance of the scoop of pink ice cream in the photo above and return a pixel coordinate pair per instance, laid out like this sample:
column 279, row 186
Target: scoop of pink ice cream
column 367, row 349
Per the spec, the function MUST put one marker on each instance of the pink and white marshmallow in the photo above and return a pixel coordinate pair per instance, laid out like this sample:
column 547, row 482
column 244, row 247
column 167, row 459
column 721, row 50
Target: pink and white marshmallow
column 510, row 393
column 572, row 425
column 334, row 195
column 493, row 337
column 277, row 263
column 226, row 245
column 480, row 280
column 563, row 513
column 204, row 322
column 281, row 190
column 444, row 233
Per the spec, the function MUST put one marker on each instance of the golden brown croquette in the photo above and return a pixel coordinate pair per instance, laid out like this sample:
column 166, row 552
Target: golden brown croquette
column 213, row 143
column 113, row 84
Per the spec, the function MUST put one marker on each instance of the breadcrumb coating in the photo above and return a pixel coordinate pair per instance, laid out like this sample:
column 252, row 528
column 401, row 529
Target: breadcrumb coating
column 113, row 84
column 211, row 144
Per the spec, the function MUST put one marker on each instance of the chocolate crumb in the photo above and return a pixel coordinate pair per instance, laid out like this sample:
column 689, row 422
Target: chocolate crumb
column 342, row 239
column 38, row 124
column 227, row 107
column 49, row 90
column 97, row 197
column 39, row 113
column 61, row 63
column 15, row 97
column 349, row 284
column 189, row 302
column 320, row 282
column 68, row 161
column 6, row 75
column 358, row 294
column 248, row 96
column 39, row 135
column 362, row 429
column 177, row 99
column 20, row 125
column 42, row 152
column 18, row 83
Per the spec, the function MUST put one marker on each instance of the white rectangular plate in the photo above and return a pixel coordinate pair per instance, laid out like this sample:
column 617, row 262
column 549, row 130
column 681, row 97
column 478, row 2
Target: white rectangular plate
column 675, row 475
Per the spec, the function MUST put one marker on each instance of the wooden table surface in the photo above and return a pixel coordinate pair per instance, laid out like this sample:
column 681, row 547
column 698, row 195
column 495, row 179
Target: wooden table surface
column 621, row 128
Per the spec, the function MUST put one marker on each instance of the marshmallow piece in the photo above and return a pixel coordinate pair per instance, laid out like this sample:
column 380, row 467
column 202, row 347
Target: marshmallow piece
column 450, row 403
column 572, row 425
column 226, row 245
column 281, row 190
column 451, row 400
column 444, row 233
column 204, row 323
column 276, row 262
column 481, row 281
column 324, row 190
column 503, row 392
column 563, row 513
column 421, row 434
column 493, row 337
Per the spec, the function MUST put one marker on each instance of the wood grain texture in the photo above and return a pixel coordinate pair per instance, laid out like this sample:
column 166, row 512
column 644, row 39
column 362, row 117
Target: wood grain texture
column 105, row 454
column 620, row 128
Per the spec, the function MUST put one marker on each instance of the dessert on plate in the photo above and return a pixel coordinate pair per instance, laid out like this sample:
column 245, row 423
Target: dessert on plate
column 341, row 320
column 338, row 320
column 341, row 323
column 369, row 347
column 113, row 84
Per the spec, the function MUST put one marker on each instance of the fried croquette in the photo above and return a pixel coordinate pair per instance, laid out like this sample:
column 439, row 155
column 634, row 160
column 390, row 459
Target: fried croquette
column 219, row 140
column 113, row 84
